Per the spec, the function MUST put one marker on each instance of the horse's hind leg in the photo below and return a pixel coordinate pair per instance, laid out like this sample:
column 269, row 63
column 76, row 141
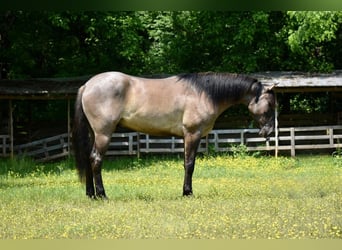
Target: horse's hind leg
column 96, row 157
column 90, row 191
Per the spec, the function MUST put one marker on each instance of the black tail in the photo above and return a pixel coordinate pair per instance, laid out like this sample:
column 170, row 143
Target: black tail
column 82, row 141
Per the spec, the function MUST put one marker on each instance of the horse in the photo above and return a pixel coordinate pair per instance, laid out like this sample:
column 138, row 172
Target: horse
column 184, row 105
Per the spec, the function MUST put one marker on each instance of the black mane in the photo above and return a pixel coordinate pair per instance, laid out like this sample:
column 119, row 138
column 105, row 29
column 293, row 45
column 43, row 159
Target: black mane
column 223, row 86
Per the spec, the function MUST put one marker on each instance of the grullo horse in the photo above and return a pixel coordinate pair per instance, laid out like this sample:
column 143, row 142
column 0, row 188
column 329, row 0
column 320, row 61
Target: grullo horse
column 184, row 105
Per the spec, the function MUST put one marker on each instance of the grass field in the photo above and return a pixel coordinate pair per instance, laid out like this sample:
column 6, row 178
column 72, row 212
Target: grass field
column 242, row 197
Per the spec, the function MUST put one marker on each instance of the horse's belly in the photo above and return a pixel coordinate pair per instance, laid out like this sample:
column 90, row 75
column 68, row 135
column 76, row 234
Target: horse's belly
column 154, row 125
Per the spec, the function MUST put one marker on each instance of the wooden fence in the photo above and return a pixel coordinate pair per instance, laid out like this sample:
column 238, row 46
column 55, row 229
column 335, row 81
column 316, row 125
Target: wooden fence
column 289, row 139
column 310, row 138
column 5, row 145
column 46, row 149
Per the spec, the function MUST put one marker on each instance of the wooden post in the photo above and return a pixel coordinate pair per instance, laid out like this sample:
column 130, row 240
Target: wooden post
column 62, row 142
column 331, row 137
column 293, row 142
column 216, row 141
column 147, row 138
column 46, row 151
column 172, row 144
column 276, row 131
column 138, row 145
column 242, row 137
column 130, row 144
column 69, row 127
column 3, row 145
column 11, row 129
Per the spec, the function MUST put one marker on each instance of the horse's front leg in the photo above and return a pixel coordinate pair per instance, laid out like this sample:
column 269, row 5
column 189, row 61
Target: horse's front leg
column 191, row 142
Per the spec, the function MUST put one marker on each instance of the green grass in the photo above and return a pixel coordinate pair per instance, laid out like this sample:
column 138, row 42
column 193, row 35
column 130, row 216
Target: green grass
column 241, row 197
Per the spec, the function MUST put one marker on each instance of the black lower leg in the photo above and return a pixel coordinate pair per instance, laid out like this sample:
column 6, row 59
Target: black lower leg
column 100, row 192
column 90, row 190
column 191, row 141
column 96, row 167
column 187, row 187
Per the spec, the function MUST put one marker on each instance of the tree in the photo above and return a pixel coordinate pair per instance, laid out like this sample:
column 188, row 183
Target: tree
column 308, row 36
column 51, row 44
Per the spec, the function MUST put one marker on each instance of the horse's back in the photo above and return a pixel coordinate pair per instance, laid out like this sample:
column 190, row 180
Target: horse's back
column 141, row 104
column 155, row 106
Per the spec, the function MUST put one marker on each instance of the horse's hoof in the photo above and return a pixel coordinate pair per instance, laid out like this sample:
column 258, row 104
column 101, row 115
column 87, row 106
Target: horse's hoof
column 91, row 196
column 102, row 197
column 187, row 193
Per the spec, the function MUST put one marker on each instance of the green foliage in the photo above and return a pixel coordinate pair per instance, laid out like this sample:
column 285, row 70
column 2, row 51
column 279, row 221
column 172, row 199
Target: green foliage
column 316, row 26
column 338, row 157
column 239, row 151
column 244, row 198
column 309, row 35
column 48, row 44
column 310, row 103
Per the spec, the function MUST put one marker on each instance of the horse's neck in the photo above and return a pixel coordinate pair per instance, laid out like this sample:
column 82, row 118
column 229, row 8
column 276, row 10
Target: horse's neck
column 245, row 100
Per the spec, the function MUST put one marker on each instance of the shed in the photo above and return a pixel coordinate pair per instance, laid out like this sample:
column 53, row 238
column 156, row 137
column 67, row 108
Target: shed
column 288, row 82
column 298, row 82
column 66, row 89
column 39, row 89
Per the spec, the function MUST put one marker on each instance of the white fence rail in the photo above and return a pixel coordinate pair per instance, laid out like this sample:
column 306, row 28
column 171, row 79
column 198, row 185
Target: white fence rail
column 46, row 149
column 311, row 138
column 132, row 143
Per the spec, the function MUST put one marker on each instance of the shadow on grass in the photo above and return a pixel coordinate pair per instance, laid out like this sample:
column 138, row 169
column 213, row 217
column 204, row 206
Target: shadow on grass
column 24, row 166
column 129, row 163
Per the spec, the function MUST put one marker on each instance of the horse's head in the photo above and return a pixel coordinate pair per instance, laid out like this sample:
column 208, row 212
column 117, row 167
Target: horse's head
column 263, row 109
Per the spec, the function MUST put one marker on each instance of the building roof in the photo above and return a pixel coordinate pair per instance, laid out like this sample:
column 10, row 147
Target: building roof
column 41, row 88
column 297, row 81
column 65, row 88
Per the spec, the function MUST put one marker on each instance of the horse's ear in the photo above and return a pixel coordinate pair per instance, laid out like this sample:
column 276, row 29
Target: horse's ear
column 270, row 87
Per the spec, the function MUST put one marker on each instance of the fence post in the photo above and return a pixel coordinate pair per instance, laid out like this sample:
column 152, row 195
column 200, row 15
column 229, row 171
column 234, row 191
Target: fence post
column 172, row 144
column 3, row 145
column 11, row 129
column 69, row 128
column 147, row 139
column 216, row 141
column 331, row 137
column 293, row 142
column 138, row 145
column 46, row 152
column 130, row 144
column 276, row 131
column 61, row 141
column 242, row 139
